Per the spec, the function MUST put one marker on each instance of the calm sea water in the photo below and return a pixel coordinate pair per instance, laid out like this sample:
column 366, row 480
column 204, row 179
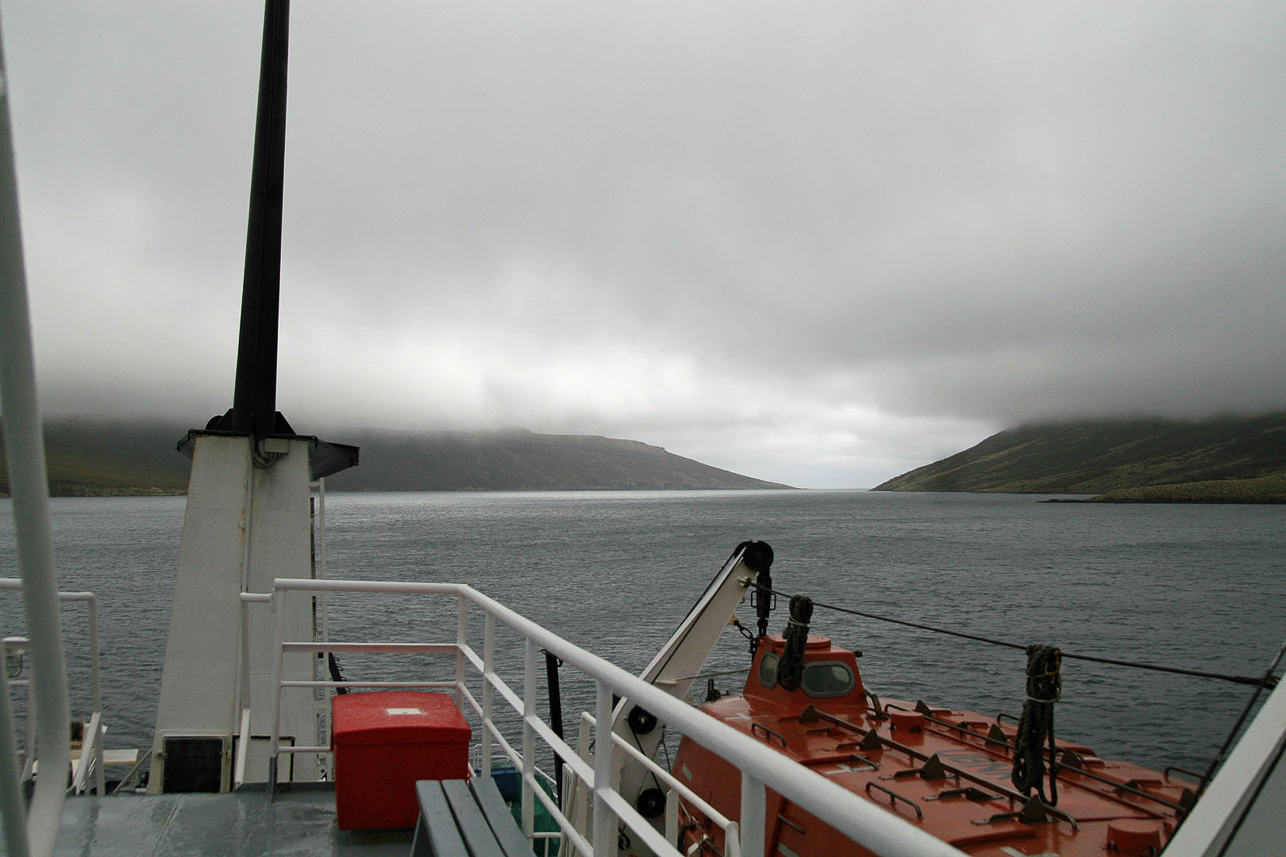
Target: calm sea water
column 1200, row 587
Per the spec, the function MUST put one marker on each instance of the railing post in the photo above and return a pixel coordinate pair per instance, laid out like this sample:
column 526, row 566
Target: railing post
column 461, row 639
column 96, row 693
column 528, row 738
column 731, row 840
column 488, row 693
column 80, row 771
column 672, row 817
column 753, row 816
column 243, row 749
column 604, row 818
column 279, row 607
column 29, row 740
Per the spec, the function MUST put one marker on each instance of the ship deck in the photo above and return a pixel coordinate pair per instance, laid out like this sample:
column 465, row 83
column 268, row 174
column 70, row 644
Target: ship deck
column 295, row 821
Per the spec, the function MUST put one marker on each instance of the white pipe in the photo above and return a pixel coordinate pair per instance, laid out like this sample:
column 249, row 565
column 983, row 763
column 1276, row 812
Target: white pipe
column 241, row 693
column 29, row 488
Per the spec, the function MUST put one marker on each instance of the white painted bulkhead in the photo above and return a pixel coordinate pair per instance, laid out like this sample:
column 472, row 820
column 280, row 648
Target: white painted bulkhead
column 245, row 525
column 1241, row 812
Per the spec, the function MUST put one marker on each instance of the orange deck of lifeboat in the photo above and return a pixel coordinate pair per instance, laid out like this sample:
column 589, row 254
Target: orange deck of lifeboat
column 945, row 771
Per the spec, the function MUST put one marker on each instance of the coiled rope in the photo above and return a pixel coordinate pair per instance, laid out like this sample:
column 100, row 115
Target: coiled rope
column 1036, row 725
column 790, row 671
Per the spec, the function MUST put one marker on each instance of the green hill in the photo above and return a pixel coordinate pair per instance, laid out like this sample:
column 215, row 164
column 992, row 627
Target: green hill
column 1235, row 455
column 518, row 460
column 89, row 457
column 97, row 458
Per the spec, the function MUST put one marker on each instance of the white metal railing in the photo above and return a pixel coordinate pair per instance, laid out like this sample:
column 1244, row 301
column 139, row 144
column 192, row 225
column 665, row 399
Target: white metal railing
column 91, row 752
column 862, row 821
column 675, row 788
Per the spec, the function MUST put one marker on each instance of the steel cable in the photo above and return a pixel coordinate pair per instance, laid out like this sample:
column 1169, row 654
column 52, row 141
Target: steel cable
column 1266, row 681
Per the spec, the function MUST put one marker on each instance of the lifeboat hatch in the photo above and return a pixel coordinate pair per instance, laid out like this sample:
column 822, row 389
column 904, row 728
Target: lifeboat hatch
column 906, row 721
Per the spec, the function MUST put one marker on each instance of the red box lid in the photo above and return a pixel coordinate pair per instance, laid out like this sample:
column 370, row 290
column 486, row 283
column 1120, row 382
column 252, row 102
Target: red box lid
column 397, row 717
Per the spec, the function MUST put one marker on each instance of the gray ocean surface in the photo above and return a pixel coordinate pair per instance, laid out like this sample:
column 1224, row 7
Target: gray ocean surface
column 1200, row 587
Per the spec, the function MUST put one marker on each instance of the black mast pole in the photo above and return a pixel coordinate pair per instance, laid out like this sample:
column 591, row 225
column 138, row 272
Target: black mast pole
column 254, row 400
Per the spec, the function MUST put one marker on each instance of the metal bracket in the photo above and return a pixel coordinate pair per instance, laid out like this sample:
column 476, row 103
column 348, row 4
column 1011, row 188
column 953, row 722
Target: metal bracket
column 894, row 797
column 932, row 769
column 1033, row 812
column 968, row 792
column 769, row 733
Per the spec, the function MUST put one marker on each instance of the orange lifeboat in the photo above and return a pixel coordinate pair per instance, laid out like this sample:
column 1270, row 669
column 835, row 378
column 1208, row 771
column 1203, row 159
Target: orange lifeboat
column 945, row 771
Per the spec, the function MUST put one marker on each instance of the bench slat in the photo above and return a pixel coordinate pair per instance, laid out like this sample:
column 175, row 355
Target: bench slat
column 459, row 819
column 436, row 834
column 507, row 832
column 472, row 823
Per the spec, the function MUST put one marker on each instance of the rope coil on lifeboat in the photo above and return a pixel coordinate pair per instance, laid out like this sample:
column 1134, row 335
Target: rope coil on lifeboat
column 1036, row 725
column 790, row 671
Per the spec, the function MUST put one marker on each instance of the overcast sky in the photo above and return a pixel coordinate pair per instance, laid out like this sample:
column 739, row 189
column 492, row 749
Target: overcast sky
column 819, row 243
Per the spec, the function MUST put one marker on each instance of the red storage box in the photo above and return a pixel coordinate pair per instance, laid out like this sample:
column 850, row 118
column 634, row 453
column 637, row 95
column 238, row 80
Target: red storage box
column 383, row 743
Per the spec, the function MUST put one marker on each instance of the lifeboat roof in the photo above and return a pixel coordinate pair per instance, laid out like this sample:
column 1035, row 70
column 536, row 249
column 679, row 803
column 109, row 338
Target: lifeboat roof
column 947, row 771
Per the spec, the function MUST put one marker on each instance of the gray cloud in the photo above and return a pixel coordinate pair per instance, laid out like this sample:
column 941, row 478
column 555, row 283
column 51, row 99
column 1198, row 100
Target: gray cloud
column 819, row 244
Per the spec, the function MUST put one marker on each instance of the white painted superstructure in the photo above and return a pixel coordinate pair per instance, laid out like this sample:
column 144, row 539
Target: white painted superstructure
column 247, row 522
column 1243, row 809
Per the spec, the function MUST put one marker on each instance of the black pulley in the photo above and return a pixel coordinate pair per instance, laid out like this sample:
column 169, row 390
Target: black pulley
column 758, row 555
column 651, row 803
column 641, row 720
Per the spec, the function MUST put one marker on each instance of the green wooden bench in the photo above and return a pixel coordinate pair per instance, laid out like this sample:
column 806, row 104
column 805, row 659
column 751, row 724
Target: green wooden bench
column 465, row 819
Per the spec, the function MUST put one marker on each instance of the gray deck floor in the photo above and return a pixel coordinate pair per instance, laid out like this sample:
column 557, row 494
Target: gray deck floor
column 247, row 823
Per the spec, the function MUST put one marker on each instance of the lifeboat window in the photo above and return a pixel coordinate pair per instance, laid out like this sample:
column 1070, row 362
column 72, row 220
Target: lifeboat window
column 827, row 678
column 768, row 670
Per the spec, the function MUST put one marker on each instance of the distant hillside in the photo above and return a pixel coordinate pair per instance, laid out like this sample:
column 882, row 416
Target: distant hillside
column 518, row 460
column 1101, row 456
column 1265, row 489
column 95, row 458
column 98, row 458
